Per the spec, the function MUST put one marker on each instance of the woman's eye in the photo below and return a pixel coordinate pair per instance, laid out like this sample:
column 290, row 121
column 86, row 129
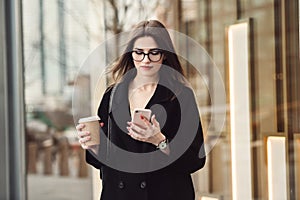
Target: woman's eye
column 154, row 52
column 139, row 52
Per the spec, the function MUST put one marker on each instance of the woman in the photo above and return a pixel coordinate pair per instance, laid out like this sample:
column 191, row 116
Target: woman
column 148, row 75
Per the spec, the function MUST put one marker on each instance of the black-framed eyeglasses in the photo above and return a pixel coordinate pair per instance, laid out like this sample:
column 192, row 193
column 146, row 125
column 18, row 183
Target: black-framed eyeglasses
column 154, row 55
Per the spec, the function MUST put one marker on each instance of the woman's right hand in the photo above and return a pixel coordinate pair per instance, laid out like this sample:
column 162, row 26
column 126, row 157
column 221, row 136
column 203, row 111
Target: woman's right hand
column 83, row 136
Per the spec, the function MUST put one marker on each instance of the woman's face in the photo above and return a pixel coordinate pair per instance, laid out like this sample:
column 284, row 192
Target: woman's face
column 147, row 58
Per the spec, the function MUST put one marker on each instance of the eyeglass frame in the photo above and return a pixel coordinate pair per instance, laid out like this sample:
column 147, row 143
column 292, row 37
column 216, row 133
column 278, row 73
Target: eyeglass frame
column 147, row 54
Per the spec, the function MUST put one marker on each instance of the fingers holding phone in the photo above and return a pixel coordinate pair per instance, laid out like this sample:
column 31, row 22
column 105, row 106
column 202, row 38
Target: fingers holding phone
column 143, row 127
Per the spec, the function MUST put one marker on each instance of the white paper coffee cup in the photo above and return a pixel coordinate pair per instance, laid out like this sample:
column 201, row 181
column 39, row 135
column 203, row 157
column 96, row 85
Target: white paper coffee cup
column 92, row 125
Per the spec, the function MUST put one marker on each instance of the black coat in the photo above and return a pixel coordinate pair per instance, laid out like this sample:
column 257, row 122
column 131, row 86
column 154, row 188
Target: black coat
column 176, row 111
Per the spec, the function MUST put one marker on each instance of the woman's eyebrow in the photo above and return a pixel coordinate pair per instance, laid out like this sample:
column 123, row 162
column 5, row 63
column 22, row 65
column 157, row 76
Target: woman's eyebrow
column 153, row 49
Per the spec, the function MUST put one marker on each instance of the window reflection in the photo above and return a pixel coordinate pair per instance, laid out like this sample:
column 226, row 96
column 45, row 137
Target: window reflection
column 57, row 38
column 59, row 35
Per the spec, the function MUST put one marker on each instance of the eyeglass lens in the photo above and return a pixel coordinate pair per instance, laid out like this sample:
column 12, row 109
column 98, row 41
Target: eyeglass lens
column 153, row 56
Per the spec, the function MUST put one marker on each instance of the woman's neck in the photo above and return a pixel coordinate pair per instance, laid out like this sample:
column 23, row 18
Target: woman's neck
column 139, row 82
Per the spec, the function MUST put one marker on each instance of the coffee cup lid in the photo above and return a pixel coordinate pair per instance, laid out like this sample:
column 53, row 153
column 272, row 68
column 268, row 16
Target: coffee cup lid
column 89, row 119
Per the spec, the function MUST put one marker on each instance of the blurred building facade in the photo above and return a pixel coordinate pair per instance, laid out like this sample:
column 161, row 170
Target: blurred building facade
column 256, row 155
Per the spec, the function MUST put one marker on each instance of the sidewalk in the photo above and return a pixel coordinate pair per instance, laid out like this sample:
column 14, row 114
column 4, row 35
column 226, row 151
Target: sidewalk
column 58, row 188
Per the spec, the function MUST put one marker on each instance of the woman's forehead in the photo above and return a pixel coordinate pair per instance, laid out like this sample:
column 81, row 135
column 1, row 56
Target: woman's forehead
column 145, row 43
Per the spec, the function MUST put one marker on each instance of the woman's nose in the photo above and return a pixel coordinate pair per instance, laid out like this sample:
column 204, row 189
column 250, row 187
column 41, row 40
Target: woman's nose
column 146, row 59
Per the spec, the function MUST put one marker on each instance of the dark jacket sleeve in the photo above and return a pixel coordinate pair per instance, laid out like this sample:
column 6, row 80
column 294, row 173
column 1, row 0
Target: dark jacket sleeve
column 91, row 158
column 194, row 157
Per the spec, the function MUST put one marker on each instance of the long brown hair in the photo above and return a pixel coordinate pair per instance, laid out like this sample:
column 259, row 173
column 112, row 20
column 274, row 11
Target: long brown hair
column 159, row 33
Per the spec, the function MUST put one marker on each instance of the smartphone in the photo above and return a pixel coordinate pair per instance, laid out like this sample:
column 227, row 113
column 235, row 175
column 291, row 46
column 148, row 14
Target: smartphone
column 136, row 118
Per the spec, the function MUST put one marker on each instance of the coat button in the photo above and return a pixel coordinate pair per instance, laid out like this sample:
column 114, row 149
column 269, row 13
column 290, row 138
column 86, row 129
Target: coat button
column 121, row 185
column 143, row 184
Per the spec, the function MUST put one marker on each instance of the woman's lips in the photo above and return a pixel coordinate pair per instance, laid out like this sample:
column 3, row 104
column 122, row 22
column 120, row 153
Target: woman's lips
column 146, row 67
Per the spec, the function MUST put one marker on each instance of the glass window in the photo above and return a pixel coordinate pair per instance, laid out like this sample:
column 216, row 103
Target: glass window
column 60, row 35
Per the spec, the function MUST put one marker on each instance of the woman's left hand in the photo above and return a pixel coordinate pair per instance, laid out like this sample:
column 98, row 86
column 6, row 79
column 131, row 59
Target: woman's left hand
column 150, row 133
